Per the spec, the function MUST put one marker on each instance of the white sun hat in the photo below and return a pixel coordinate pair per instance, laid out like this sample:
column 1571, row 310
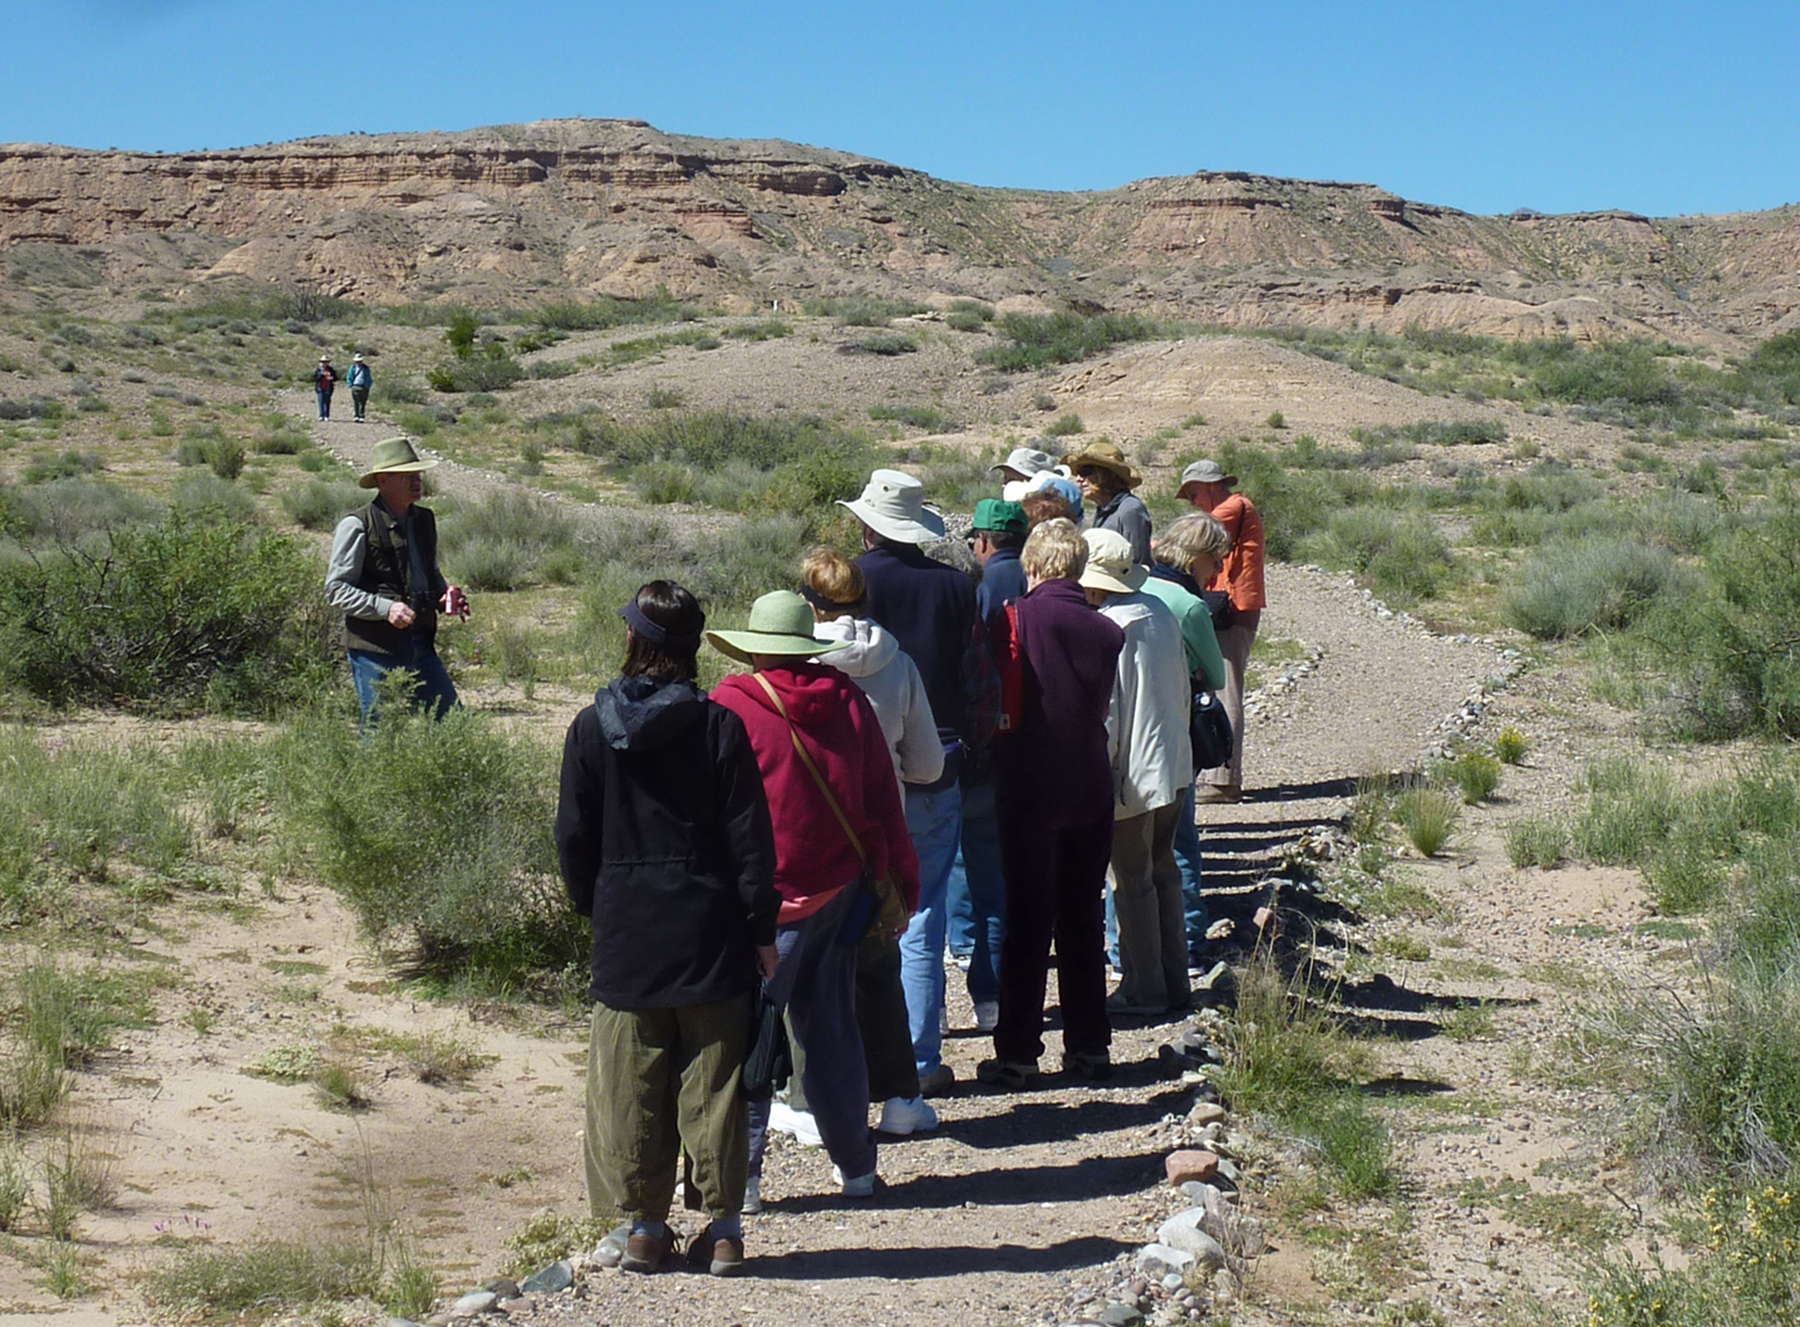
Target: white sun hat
column 1110, row 565
column 892, row 504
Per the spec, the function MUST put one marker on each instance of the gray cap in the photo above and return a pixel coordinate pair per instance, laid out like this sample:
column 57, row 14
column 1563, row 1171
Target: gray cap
column 1205, row 472
column 1028, row 461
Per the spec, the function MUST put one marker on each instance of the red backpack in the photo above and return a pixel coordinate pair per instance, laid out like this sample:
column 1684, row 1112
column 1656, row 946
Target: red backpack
column 1009, row 660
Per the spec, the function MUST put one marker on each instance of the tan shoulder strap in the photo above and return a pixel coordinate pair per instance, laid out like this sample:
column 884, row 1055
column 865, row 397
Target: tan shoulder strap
column 812, row 769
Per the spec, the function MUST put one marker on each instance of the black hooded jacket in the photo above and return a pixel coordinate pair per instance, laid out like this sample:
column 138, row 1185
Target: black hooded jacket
column 664, row 840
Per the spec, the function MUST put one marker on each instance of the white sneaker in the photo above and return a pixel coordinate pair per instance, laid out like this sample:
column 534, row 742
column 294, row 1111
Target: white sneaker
column 858, row 1186
column 907, row 1115
column 987, row 1015
column 943, row 1022
column 783, row 1118
column 752, row 1198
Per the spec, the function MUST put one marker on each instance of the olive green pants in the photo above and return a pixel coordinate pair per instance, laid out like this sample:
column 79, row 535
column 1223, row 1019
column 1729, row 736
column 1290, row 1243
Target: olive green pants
column 660, row 1081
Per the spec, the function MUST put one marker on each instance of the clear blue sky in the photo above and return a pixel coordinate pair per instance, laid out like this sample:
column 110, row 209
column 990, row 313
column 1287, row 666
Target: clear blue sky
column 1560, row 105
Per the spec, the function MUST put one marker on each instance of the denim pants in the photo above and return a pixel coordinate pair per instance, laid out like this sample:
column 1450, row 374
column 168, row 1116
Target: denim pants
column 1187, row 857
column 935, row 821
column 435, row 692
column 324, row 402
column 816, row 980
column 977, row 880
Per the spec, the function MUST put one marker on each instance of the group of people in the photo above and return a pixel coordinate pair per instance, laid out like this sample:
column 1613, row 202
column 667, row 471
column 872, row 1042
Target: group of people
column 916, row 758
column 360, row 380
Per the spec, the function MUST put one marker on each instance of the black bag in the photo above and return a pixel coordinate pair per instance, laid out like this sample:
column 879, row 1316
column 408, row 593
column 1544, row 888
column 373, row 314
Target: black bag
column 1218, row 603
column 1210, row 728
column 769, row 1061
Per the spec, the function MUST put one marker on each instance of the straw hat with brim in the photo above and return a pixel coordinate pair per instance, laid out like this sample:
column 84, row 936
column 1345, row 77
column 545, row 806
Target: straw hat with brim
column 1204, row 472
column 892, row 504
column 1107, row 456
column 1109, row 563
column 781, row 622
column 393, row 456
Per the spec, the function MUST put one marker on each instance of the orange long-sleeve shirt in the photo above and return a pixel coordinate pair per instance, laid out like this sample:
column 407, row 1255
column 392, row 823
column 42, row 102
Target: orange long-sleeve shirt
column 1241, row 576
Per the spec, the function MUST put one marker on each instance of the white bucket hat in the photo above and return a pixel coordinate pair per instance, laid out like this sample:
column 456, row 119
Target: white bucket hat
column 1028, row 461
column 892, row 504
column 1109, row 563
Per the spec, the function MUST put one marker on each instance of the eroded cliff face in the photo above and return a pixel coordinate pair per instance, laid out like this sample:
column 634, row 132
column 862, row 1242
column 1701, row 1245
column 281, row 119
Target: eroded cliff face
column 585, row 207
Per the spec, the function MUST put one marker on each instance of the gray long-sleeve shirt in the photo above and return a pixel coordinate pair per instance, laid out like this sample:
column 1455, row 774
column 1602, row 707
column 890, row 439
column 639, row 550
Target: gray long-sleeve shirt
column 349, row 545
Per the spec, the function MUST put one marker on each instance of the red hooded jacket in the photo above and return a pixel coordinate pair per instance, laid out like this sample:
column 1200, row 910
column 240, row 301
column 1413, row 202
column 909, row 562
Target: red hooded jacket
column 813, row 856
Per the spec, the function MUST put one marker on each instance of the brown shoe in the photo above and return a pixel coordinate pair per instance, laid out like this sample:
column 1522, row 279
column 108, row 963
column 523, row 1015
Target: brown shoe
column 721, row 1257
column 1215, row 794
column 645, row 1253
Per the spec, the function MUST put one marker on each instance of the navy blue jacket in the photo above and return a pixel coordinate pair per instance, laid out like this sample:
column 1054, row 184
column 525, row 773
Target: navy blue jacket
column 930, row 609
column 1002, row 578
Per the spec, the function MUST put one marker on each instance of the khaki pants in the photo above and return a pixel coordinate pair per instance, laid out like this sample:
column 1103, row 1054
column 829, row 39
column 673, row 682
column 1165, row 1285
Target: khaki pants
column 1234, row 643
column 658, row 1081
column 1152, row 913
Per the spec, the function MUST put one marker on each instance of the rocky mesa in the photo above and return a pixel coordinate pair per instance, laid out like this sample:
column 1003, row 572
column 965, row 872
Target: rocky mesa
column 586, row 207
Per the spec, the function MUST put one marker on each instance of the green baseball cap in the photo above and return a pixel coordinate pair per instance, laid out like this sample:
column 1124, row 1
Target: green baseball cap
column 999, row 514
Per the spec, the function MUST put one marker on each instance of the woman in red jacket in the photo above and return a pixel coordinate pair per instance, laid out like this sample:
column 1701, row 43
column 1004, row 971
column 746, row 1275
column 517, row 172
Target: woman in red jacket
column 789, row 705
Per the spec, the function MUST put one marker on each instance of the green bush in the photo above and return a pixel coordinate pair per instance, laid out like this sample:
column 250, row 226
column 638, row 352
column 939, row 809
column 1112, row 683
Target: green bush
column 172, row 616
column 317, row 505
column 204, row 496
column 597, row 315
column 1536, row 841
column 66, row 510
column 464, row 879
column 926, row 417
column 1574, row 587
column 511, row 538
column 70, row 465
column 492, row 370
column 1065, row 426
column 1427, row 816
column 862, row 310
column 1475, row 774
column 894, row 343
column 1400, row 554
column 1037, row 340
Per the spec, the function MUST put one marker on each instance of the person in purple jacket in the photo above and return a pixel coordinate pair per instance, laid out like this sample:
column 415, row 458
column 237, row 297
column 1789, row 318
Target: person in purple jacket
column 1053, row 796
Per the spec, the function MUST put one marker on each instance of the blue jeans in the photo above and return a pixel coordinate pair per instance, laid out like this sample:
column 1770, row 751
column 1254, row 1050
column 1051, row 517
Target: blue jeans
column 977, row 880
column 324, row 402
column 434, row 693
column 935, row 821
column 1187, row 857
column 957, row 901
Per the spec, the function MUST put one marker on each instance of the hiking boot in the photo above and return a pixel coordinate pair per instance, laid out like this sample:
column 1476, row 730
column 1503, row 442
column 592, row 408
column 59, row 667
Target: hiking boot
column 720, row 1257
column 1008, row 1075
column 987, row 1015
column 1095, row 1066
column 645, row 1253
column 752, row 1204
column 856, row 1186
column 938, row 1082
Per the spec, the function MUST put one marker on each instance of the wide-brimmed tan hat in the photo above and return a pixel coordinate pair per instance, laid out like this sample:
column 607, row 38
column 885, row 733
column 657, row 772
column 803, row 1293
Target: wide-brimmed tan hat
column 393, row 456
column 1107, row 456
column 1204, row 472
column 892, row 504
column 1110, row 565
column 781, row 622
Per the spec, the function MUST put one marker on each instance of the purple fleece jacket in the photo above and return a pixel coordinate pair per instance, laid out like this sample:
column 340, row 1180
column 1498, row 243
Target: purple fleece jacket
column 1058, row 757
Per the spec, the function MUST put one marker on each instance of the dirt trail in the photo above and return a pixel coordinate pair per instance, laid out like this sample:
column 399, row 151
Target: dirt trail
column 1015, row 1209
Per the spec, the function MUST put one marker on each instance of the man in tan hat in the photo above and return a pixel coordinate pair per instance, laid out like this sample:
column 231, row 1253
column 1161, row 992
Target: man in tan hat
column 361, row 380
column 384, row 576
column 1106, row 480
column 1240, row 581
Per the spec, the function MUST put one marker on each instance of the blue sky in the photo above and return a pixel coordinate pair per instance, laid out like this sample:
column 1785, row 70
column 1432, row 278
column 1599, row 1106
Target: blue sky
column 1658, row 107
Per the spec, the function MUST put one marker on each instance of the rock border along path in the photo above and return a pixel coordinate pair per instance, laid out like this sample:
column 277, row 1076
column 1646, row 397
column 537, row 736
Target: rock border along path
column 1030, row 1207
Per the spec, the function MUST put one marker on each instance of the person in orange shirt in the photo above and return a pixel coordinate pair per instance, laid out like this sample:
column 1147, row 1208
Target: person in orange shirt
column 1240, row 579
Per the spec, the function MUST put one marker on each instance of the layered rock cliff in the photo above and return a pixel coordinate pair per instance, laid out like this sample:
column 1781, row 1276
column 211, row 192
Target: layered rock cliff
column 566, row 208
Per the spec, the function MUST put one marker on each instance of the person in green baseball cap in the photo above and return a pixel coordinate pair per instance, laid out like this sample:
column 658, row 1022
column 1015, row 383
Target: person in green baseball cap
column 384, row 577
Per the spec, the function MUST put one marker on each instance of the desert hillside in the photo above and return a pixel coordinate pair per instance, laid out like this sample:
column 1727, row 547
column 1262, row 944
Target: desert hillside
column 617, row 207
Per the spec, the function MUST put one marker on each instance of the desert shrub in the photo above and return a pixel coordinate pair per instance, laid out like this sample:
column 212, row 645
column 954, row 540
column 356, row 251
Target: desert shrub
column 862, row 310
column 172, row 616
column 281, row 438
column 318, row 505
column 67, row 509
column 1427, row 816
column 540, row 369
column 205, row 496
column 1399, row 553
column 1573, row 587
column 1352, row 1145
column 1630, row 808
column 1476, row 775
column 464, row 884
column 926, row 417
column 236, row 1280
column 509, row 539
column 1511, row 745
column 1434, row 432
column 1536, row 841
column 597, row 315
column 30, row 407
column 1065, row 426
column 1036, row 340
column 492, row 370
column 664, row 398
column 892, row 343
column 69, row 465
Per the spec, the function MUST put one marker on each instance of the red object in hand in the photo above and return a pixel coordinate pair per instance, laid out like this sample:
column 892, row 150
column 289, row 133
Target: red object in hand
column 456, row 603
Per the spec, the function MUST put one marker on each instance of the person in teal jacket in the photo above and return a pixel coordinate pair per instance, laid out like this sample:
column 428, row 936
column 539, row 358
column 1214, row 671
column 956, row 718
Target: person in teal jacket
column 1184, row 558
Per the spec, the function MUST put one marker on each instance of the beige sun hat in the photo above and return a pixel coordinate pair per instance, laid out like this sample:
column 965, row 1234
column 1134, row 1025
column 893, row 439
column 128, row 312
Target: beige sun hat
column 892, row 504
column 1109, row 563
column 781, row 622
column 1027, row 461
column 393, row 456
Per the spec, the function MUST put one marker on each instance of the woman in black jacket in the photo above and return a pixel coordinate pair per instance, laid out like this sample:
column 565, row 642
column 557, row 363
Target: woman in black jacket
column 664, row 841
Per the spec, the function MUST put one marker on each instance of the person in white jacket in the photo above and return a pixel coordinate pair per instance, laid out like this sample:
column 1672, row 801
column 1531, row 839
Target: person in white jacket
column 1153, row 762
column 874, row 660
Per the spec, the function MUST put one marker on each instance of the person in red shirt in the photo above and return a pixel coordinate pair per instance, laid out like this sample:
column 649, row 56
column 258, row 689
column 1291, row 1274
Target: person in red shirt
column 1240, row 579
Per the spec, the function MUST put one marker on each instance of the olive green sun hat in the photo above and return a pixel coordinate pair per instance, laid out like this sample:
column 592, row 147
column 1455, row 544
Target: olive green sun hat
column 393, row 456
column 781, row 622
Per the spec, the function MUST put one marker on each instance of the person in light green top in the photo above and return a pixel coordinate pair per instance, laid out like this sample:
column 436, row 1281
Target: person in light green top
column 1185, row 557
